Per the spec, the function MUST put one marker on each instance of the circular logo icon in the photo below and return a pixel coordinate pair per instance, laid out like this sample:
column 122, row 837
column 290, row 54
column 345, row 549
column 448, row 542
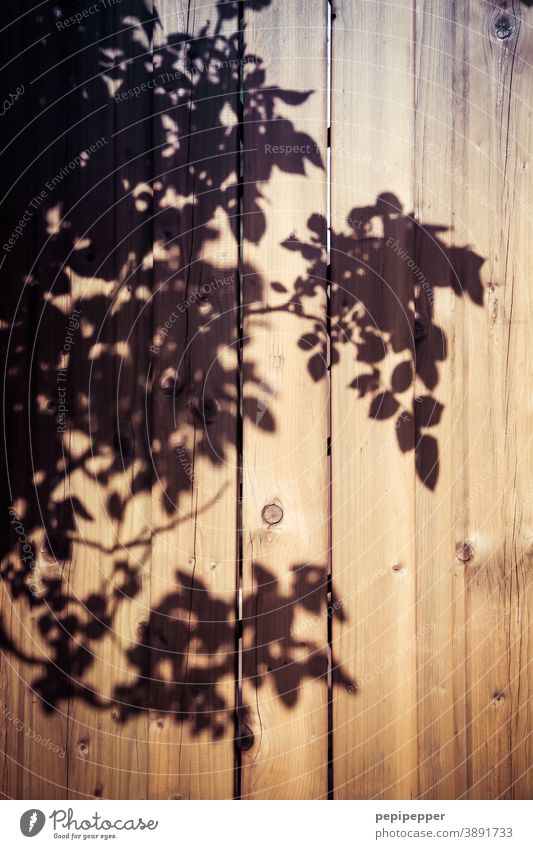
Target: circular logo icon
column 32, row 822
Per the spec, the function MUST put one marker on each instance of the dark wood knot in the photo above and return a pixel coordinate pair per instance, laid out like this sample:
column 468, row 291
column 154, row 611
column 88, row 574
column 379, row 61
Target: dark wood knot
column 143, row 630
column 504, row 27
column 246, row 740
column 56, row 548
column 170, row 383
column 83, row 747
column 206, row 408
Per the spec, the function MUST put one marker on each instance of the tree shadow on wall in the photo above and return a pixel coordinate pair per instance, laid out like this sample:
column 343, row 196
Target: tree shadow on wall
column 122, row 175
column 385, row 273
column 164, row 675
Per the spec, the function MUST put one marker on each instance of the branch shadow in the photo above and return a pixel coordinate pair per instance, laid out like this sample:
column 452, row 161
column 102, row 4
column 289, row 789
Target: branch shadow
column 82, row 293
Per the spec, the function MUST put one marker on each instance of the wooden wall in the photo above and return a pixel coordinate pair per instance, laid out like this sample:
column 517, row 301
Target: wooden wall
column 267, row 518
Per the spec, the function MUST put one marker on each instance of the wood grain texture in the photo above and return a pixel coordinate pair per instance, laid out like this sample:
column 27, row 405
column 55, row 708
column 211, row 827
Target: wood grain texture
column 194, row 372
column 497, row 462
column 441, row 77
column 280, row 521
column 109, row 579
column 285, row 406
column 471, row 547
column 32, row 452
column 373, row 527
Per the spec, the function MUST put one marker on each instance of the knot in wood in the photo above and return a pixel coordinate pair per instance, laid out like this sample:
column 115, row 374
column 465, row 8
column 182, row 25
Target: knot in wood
column 272, row 514
column 464, row 551
column 83, row 747
column 206, row 408
column 56, row 548
column 143, row 629
column 170, row 384
column 246, row 739
column 504, row 27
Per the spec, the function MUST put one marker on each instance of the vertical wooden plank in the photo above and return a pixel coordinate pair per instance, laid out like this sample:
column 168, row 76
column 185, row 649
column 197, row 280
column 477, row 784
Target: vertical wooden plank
column 451, row 274
column 35, row 735
column 494, row 215
column 373, row 565
column 517, row 436
column 110, row 274
column 194, row 370
column 86, row 478
column 285, row 404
